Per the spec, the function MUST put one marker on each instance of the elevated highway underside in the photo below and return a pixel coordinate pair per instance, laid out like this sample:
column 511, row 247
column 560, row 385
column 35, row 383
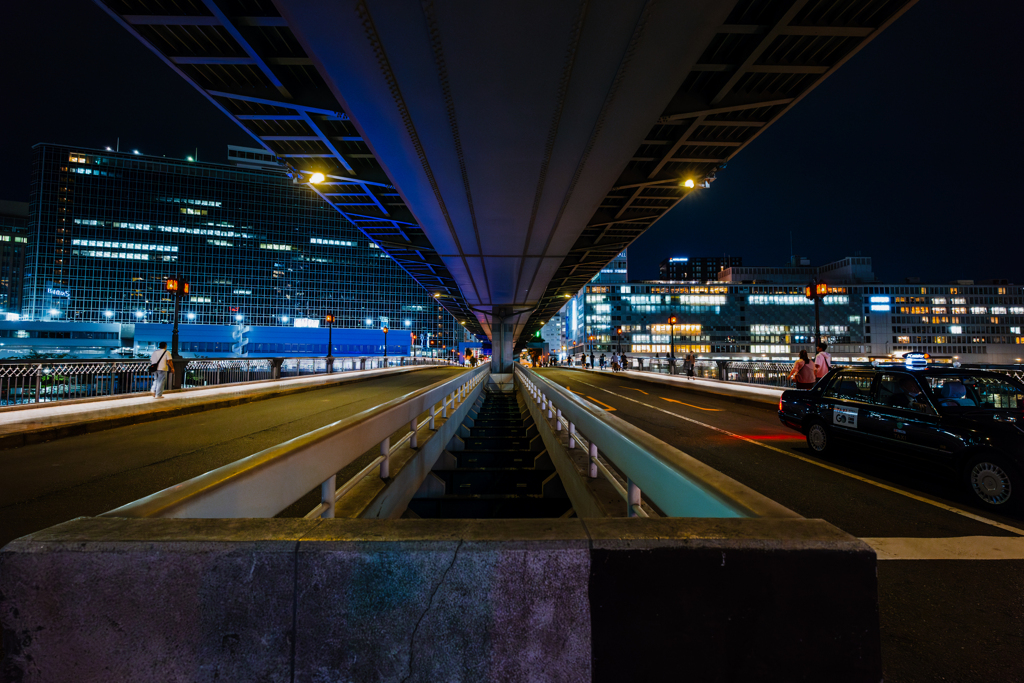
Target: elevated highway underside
column 504, row 153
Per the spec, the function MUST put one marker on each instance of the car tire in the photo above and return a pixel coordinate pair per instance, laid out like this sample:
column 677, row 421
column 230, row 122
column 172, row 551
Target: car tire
column 819, row 438
column 995, row 482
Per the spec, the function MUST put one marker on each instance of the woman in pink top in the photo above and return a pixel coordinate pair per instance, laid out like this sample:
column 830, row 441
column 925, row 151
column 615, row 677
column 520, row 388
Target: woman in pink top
column 803, row 371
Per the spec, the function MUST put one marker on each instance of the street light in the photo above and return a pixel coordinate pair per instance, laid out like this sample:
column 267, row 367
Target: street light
column 672, row 341
column 385, row 328
column 816, row 291
column 316, row 178
column 177, row 289
column 108, row 314
column 618, row 340
column 688, row 183
column 330, row 341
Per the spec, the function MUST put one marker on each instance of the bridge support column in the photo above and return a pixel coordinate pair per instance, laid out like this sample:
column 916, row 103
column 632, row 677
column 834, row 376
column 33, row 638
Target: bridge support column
column 502, row 330
column 723, row 370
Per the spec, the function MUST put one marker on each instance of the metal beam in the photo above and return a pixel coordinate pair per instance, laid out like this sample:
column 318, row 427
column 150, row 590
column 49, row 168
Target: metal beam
column 724, row 110
column 756, row 53
column 244, row 44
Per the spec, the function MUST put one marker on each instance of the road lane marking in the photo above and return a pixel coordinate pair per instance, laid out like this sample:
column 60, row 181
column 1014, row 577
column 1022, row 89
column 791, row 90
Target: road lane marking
column 893, row 489
column 961, row 548
column 635, row 389
column 607, row 407
column 672, row 400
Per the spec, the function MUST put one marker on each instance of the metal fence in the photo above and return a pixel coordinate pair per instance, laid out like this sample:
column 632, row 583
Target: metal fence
column 24, row 382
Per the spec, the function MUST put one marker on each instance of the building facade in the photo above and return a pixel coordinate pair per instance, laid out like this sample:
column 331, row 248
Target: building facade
column 107, row 229
column 13, row 240
column 702, row 268
column 963, row 321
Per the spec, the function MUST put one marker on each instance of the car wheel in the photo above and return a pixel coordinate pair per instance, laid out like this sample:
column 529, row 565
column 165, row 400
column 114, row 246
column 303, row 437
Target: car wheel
column 819, row 440
column 995, row 482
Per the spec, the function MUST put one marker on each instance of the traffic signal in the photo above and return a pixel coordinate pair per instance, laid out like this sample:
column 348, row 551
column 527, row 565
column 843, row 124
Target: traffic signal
column 808, row 293
column 822, row 289
column 172, row 285
column 329, row 318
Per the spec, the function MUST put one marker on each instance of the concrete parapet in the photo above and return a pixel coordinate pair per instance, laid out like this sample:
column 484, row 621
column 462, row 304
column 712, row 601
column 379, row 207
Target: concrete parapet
column 432, row 600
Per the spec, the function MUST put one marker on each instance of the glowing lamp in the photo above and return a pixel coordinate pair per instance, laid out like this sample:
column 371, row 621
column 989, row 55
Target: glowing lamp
column 316, row 178
column 688, row 183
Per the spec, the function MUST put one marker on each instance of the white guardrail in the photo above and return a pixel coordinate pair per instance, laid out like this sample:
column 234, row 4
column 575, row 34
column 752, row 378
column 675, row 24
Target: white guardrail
column 678, row 484
column 264, row 484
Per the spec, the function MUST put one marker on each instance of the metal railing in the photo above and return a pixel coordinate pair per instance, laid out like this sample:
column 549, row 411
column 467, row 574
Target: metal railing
column 768, row 373
column 265, row 483
column 23, row 382
column 679, row 485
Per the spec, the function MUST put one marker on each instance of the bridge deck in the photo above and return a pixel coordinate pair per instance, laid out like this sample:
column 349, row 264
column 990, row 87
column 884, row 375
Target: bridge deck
column 893, row 506
column 48, row 483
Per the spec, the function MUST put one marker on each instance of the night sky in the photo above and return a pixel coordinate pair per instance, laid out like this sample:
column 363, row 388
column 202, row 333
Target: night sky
column 910, row 153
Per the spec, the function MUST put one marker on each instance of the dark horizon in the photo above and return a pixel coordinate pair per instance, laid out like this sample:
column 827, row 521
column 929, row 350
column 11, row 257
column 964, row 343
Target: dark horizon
column 873, row 161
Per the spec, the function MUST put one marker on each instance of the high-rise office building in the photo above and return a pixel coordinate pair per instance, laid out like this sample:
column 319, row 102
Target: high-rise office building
column 700, row 268
column 762, row 312
column 107, row 230
column 13, row 238
column 617, row 270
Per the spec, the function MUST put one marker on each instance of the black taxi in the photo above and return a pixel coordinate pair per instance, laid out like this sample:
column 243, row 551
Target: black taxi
column 968, row 422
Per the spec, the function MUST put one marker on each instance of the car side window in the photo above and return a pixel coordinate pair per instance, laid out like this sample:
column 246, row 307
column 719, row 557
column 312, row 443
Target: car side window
column 900, row 390
column 851, row 386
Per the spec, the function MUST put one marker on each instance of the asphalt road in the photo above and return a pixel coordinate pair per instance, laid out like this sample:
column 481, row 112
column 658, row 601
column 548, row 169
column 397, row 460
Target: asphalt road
column 942, row 619
column 48, row 483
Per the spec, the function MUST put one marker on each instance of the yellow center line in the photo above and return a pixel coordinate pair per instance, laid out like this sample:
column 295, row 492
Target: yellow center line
column 608, row 408
column 837, row 470
column 672, row 400
column 635, row 389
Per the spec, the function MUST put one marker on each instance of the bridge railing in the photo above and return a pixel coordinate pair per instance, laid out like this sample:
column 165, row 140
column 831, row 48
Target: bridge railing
column 265, row 483
column 45, row 381
column 678, row 484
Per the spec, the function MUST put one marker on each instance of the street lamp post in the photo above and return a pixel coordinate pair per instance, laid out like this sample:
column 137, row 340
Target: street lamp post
column 672, row 342
column 815, row 292
column 618, row 340
column 385, row 328
column 178, row 289
column 330, row 342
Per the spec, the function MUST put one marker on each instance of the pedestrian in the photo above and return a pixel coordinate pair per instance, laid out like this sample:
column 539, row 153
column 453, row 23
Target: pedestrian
column 691, row 364
column 625, row 362
column 822, row 361
column 159, row 363
column 602, row 361
column 803, row 371
column 591, row 359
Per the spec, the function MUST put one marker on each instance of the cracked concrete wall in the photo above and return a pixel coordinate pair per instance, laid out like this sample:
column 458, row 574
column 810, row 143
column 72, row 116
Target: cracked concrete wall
column 439, row 600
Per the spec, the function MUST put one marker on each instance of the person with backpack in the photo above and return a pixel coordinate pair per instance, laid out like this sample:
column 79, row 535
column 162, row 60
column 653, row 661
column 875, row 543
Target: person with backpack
column 803, row 371
column 822, row 361
column 159, row 364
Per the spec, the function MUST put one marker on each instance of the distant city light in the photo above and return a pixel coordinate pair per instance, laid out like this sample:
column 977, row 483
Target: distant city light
column 239, row 317
column 688, row 183
column 135, row 151
column 109, row 149
column 190, row 159
column 880, row 299
column 191, row 316
column 316, row 178
column 109, row 314
column 54, row 311
column 139, row 314
column 408, row 322
column 284, row 318
column 369, row 321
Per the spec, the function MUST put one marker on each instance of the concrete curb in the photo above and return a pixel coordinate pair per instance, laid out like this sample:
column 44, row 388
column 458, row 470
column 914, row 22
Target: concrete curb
column 85, row 423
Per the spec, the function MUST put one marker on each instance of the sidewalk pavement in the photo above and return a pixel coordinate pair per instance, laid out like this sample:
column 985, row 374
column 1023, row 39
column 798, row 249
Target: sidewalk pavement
column 48, row 421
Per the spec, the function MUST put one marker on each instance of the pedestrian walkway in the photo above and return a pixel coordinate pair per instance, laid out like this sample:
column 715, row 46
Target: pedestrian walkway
column 20, row 425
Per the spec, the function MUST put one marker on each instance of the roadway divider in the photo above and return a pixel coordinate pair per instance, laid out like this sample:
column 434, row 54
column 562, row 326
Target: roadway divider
column 265, row 483
column 23, row 425
column 678, row 484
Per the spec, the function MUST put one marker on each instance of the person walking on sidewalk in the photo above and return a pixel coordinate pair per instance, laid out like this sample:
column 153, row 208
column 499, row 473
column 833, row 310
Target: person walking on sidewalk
column 690, row 363
column 803, row 371
column 159, row 363
column 822, row 362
